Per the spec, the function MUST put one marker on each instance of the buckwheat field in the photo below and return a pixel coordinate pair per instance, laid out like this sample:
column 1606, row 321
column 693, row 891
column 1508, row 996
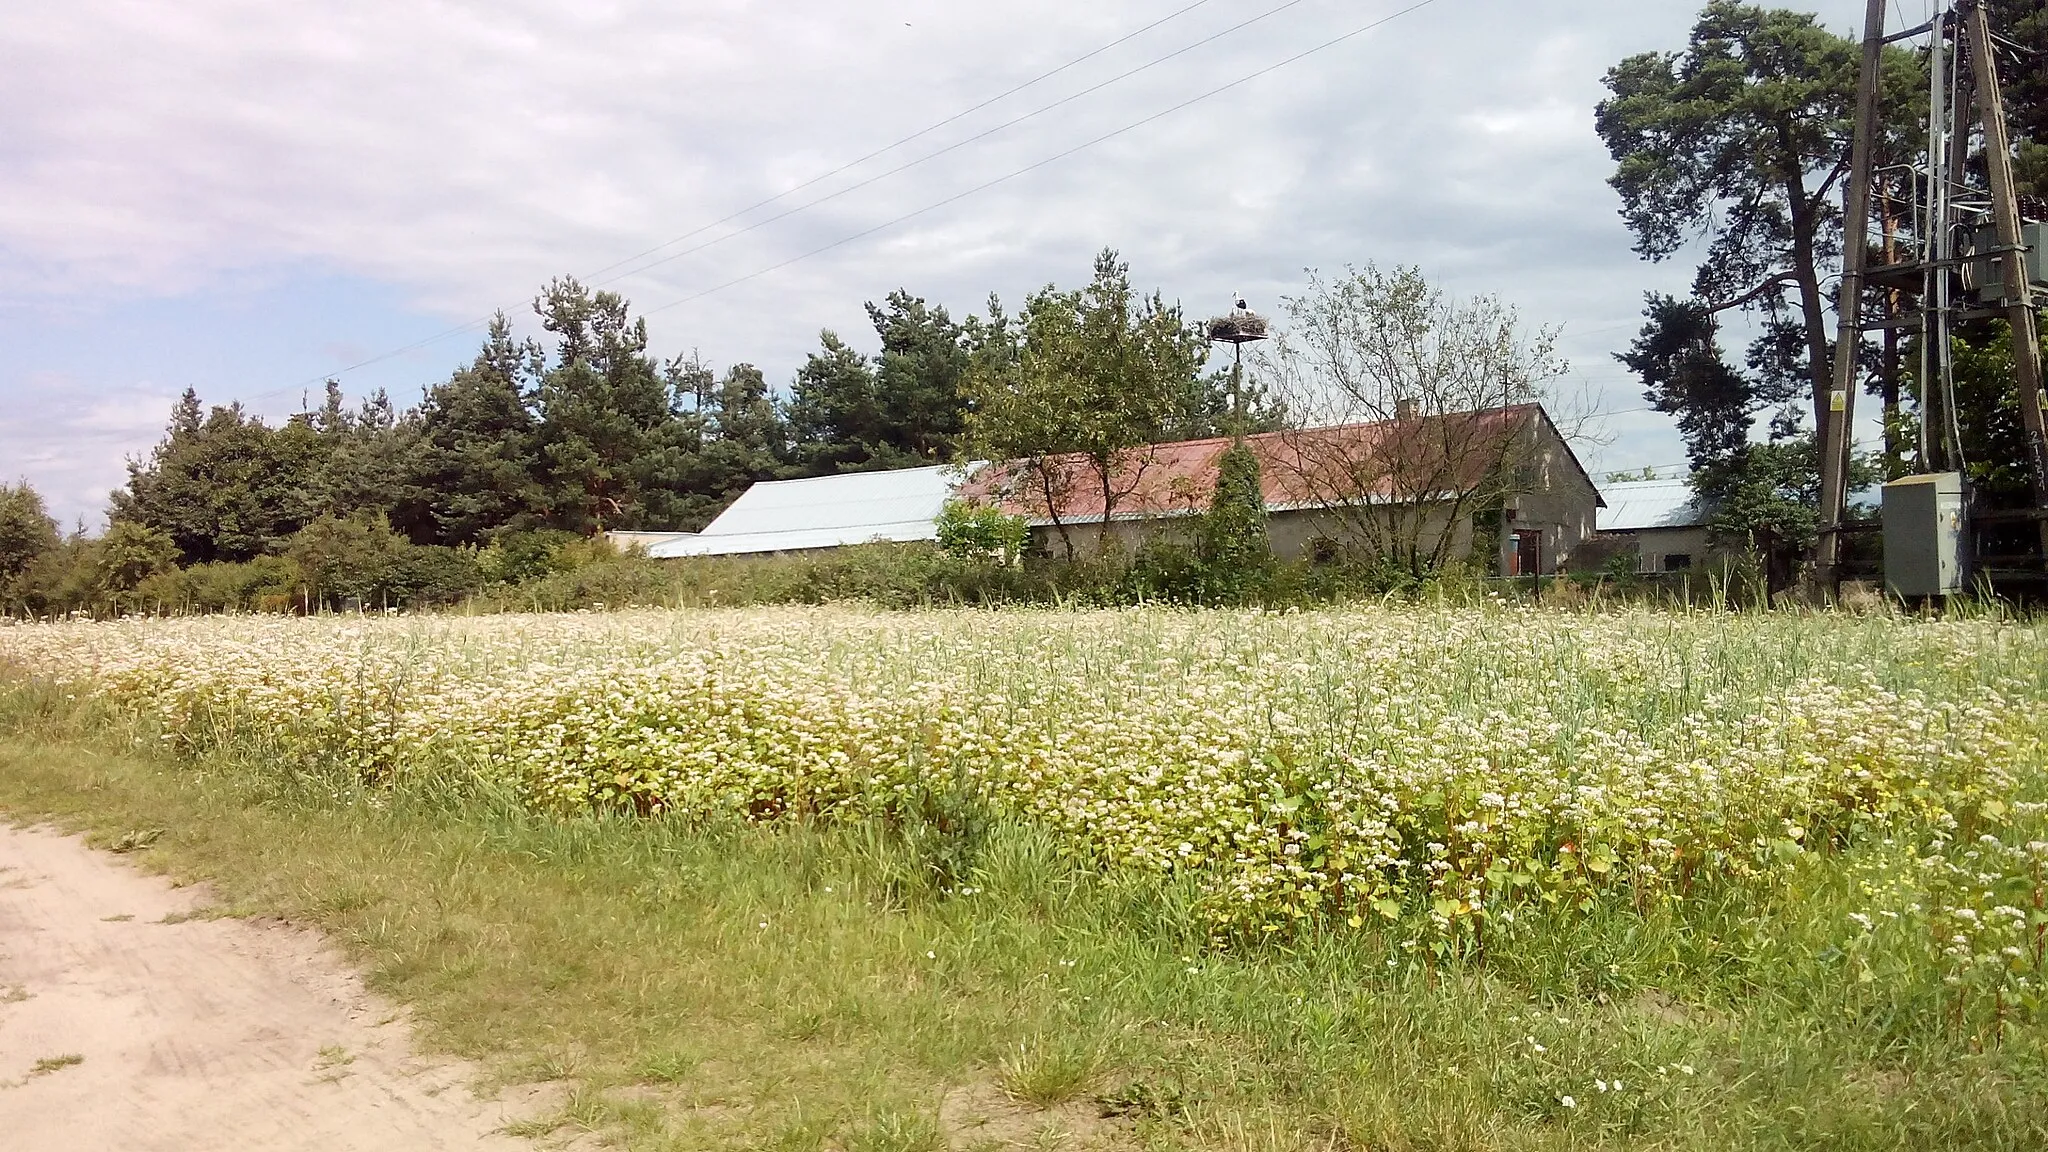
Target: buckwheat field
column 1427, row 772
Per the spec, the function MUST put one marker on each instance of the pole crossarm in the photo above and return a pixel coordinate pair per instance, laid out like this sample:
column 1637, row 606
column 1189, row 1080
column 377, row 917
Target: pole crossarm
column 2005, row 212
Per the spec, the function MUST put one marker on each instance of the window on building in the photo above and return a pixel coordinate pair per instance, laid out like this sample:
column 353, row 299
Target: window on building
column 1677, row 561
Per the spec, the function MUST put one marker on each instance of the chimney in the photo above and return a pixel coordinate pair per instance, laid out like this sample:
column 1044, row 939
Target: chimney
column 1406, row 409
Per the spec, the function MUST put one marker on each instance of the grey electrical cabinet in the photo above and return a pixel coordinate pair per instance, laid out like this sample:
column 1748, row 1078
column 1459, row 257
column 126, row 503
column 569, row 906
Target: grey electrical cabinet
column 1926, row 550
column 1984, row 276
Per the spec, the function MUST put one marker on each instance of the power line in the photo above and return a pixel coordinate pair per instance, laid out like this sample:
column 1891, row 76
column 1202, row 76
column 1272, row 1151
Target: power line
column 849, row 165
column 1008, row 176
column 1652, row 467
column 1597, row 331
column 919, row 134
column 953, row 147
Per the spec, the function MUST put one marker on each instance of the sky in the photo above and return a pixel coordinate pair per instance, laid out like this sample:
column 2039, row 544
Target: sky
column 246, row 197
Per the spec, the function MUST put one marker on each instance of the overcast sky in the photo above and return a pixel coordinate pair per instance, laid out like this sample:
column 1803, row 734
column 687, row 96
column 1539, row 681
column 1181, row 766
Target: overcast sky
column 244, row 197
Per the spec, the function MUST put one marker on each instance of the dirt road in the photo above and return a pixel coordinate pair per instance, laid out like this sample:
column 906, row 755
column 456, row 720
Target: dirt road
column 125, row 1026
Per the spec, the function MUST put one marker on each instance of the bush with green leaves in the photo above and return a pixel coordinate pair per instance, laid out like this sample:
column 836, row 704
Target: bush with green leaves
column 514, row 557
column 265, row 584
column 1231, row 538
column 26, row 531
column 128, row 555
column 979, row 532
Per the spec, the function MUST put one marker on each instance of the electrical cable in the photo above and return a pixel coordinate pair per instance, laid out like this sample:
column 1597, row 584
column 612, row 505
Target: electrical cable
column 1058, row 156
column 917, row 135
column 955, row 146
column 1954, row 177
column 1327, row 44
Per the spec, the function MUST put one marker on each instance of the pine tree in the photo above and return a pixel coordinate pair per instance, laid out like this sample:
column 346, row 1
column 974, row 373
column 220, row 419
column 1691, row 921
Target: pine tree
column 610, row 425
column 225, row 487
column 478, row 456
column 833, row 411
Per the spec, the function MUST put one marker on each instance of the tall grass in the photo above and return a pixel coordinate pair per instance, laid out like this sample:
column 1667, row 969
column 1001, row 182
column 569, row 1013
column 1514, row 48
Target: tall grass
column 848, row 978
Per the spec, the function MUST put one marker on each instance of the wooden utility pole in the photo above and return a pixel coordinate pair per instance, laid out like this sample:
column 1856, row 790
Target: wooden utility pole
column 2019, row 296
column 1835, row 424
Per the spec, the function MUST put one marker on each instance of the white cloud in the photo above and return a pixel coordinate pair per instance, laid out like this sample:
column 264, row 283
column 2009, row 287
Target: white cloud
column 466, row 152
column 74, row 444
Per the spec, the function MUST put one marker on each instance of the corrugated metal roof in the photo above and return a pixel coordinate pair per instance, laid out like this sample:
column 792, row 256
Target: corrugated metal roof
column 1641, row 504
column 826, row 512
column 645, row 539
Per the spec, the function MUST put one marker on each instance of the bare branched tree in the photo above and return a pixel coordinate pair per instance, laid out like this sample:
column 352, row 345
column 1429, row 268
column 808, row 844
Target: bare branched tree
column 1416, row 413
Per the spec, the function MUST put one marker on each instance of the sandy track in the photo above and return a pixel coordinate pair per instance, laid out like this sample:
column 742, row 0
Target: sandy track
column 197, row 1034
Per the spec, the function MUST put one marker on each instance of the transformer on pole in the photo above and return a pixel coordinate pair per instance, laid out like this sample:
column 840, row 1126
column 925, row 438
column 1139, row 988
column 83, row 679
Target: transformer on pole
column 1975, row 258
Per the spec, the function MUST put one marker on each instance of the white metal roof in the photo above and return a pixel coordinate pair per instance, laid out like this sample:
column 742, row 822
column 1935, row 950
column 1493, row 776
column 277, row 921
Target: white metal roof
column 644, row 539
column 1641, row 504
column 826, row 512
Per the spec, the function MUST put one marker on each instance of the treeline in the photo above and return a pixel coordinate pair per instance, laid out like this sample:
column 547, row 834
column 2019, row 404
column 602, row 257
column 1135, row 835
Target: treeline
column 498, row 472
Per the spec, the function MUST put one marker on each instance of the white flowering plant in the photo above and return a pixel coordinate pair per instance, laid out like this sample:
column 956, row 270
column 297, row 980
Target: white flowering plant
column 1435, row 768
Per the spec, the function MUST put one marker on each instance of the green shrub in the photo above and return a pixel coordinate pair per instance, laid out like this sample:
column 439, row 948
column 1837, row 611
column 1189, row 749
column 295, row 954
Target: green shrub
column 58, row 581
column 266, row 583
column 424, row 575
column 129, row 554
column 976, row 532
column 1230, row 538
column 27, row 532
column 343, row 560
column 1165, row 569
column 609, row 583
column 517, row 557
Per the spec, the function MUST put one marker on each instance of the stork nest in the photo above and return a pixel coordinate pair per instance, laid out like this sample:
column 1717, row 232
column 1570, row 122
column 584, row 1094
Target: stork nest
column 1238, row 327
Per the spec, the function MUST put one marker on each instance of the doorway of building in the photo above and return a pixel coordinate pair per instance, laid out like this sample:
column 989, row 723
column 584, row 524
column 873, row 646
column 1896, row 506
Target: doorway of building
column 1527, row 558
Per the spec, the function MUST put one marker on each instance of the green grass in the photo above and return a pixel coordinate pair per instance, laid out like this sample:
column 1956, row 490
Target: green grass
column 795, row 988
column 1047, row 1070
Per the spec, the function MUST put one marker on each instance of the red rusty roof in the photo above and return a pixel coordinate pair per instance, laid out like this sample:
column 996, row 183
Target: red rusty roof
column 1388, row 460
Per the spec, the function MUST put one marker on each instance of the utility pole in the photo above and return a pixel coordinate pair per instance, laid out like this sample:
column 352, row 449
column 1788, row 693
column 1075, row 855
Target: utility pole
column 2005, row 211
column 1835, row 424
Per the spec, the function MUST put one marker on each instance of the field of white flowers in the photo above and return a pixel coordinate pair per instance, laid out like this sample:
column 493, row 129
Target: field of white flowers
column 1436, row 765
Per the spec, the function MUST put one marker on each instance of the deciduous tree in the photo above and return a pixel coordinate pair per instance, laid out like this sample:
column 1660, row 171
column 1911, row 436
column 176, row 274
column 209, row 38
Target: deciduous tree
column 1076, row 392
column 1438, row 388
column 26, row 529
